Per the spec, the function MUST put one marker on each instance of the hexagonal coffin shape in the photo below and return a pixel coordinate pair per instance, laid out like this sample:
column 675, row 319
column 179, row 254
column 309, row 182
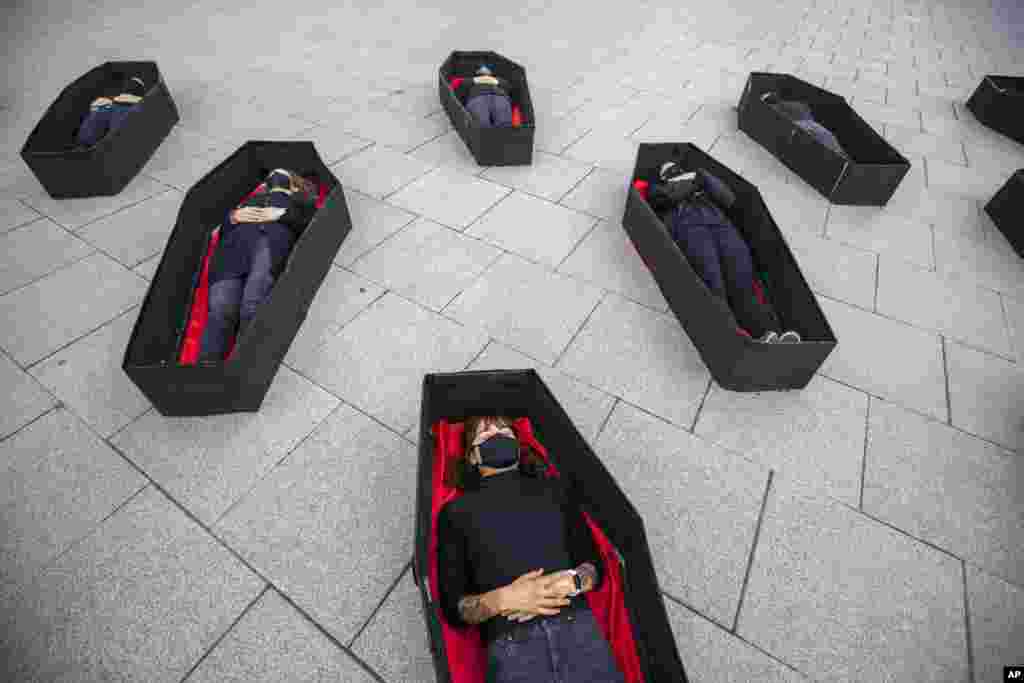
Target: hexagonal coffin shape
column 1006, row 208
column 868, row 176
column 998, row 102
column 489, row 146
column 153, row 359
column 66, row 170
column 735, row 361
column 640, row 633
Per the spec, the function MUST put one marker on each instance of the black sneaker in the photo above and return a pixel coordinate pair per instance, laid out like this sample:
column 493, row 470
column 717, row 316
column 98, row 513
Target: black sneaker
column 789, row 337
column 134, row 86
column 279, row 179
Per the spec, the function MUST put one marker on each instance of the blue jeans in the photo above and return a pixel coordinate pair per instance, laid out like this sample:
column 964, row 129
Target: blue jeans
column 102, row 120
column 567, row 648
column 719, row 254
column 491, row 110
column 235, row 301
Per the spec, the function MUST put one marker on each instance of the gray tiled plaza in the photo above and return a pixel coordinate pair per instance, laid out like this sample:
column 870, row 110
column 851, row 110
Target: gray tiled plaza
column 864, row 528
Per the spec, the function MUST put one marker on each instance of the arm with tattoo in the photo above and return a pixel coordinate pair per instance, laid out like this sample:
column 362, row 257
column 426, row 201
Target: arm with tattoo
column 476, row 609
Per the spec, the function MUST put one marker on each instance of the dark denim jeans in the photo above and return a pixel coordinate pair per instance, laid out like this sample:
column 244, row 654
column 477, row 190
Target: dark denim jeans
column 235, row 301
column 719, row 254
column 567, row 648
column 99, row 122
column 491, row 110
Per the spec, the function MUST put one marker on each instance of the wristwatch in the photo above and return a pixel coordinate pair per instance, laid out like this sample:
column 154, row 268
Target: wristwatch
column 576, row 580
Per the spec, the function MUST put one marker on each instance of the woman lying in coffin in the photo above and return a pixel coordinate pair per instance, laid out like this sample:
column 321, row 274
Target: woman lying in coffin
column 515, row 556
column 255, row 241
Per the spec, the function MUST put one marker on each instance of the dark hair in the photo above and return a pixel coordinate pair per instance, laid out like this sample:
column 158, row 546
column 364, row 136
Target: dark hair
column 460, row 474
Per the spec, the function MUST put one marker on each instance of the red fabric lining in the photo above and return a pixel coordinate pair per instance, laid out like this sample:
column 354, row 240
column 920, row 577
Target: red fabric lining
column 189, row 353
column 467, row 656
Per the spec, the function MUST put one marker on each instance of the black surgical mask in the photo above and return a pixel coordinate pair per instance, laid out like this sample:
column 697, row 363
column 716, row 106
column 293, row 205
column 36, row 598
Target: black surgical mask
column 499, row 452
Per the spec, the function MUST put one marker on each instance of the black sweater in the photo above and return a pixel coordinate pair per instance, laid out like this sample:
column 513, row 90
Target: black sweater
column 512, row 525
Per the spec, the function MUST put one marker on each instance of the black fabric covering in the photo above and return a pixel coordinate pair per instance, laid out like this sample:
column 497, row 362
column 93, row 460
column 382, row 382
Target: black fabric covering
column 1006, row 209
column 998, row 102
column 105, row 168
column 522, row 393
column 872, row 175
column 736, row 362
column 489, row 146
column 240, row 383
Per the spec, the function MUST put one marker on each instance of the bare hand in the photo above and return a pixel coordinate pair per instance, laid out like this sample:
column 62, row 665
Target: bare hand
column 251, row 214
column 533, row 594
column 101, row 102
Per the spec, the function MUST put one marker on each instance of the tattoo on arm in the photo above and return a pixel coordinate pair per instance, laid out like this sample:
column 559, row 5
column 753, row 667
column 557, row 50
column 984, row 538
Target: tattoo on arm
column 588, row 576
column 475, row 610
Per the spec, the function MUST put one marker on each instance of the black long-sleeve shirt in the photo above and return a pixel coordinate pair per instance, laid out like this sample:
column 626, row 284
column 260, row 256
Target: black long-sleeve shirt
column 512, row 525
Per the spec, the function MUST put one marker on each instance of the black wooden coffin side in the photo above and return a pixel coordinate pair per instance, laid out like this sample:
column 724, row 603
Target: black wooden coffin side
column 998, row 102
column 1006, row 209
column 489, row 146
column 105, row 168
column 870, row 178
column 240, row 383
column 455, row 396
column 736, row 362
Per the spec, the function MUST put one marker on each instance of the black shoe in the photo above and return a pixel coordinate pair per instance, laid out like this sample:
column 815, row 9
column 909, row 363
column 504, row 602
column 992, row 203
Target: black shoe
column 279, row 179
column 133, row 85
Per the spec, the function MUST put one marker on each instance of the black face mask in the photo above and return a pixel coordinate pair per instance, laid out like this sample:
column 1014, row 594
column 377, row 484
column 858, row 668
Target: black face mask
column 499, row 451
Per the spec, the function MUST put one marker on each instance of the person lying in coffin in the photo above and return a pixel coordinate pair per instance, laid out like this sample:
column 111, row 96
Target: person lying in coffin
column 691, row 204
column 487, row 97
column 109, row 112
column 516, row 557
column 255, row 241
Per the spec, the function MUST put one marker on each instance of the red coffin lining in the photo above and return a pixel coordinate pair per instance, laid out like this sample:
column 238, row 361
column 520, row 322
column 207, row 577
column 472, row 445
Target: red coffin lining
column 189, row 353
column 467, row 657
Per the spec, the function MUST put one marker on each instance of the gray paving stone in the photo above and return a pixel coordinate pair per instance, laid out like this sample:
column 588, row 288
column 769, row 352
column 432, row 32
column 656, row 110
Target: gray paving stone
column 87, row 377
column 1000, row 160
column 35, row 250
column 397, row 130
column 533, row 228
column 997, row 632
column 554, row 135
column 139, row 600
column 209, row 463
column 22, row 400
column 61, row 307
column 14, row 213
column 601, row 193
column 1015, row 319
column 449, row 197
column 373, row 221
column 700, row 130
column 588, row 408
column 147, row 269
column 414, row 100
column 607, row 258
column 835, row 269
column 874, row 229
column 274, row 642
column 448, row 150
column 526, row 306
column 379, row 171
column 916, row 145
column 332, row 142
column 74, row 214
column 945, row 487
column 296, row 526
column 886, row 358
column 984, row 258
column 605, row 149
column 59, row 482
column 713, row 655
column 549, row 176
column 395, row 642
column 986, row 395
column 188, row 169
column 699, row 504
column 977, row 182
column 383, row 374
column 427, row 262
column 815, row 435
column 342, row 296
column 138, row 232
column 640, row 355
column 944, row 303
column 842, row 597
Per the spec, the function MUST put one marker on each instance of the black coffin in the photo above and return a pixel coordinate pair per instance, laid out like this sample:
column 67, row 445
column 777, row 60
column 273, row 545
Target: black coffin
column 489, row 146
column 522, row 393
column 998, row 102
column 241, row 382
column 870, row 178
column 1006, row 209
column 737, row 363
column 105, row 168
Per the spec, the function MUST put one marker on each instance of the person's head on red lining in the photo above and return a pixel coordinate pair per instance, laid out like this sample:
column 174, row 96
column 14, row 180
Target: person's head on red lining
column 515, row 557
column 487, row 96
